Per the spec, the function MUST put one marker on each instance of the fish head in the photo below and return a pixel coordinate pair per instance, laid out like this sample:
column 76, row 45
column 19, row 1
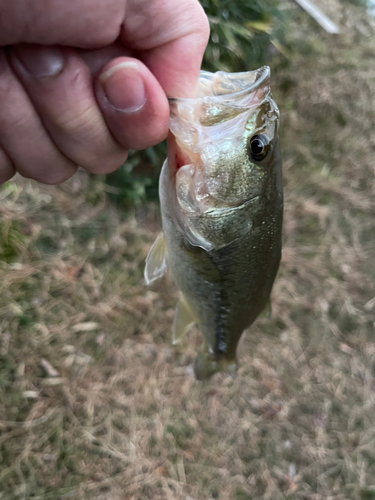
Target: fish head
column 222, row 148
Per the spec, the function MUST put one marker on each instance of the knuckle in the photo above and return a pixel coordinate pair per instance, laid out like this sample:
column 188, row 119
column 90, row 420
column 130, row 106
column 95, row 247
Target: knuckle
column 82, row 134
column 76, row 122
column 93, row 147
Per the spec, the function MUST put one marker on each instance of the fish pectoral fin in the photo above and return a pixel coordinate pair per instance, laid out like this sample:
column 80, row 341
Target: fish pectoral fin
column 184, row 319
column 156, row 260
column 267, row 310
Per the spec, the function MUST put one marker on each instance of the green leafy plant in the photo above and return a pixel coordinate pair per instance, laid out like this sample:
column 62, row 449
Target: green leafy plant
column 243, row 34
column 137, row 179
column 11, row 240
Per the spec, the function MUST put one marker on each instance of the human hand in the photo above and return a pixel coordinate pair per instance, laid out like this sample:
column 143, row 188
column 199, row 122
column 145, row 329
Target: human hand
column 82, row 81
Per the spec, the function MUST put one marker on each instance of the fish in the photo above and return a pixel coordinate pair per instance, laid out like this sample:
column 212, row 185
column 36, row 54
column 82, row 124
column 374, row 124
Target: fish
column 221, row 200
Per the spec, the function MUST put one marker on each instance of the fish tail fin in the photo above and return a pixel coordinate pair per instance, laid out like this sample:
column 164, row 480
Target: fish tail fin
column 205, row 366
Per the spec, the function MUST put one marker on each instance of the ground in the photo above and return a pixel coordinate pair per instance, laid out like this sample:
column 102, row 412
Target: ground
column 95, row 402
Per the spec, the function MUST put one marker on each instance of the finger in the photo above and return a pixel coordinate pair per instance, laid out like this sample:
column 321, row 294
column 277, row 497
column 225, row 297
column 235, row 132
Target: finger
column 172, row 37
column 171, row 34
column 59, row 85
column 133, row 103
column 23, row 137
column 136, row 130
column 6, row 168
column 78, row 23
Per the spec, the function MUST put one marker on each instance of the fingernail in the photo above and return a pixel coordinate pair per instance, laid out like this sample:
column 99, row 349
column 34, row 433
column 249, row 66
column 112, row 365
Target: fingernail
column 123, row 87
column 40, row 61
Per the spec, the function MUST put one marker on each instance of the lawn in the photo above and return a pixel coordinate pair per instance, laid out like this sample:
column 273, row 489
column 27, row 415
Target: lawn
column 96, row 403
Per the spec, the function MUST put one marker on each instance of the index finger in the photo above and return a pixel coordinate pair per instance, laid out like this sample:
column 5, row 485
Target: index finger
column 171, row 37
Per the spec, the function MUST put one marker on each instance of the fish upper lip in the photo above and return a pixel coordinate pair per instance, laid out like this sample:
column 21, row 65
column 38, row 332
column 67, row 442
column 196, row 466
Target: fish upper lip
column 263, row 72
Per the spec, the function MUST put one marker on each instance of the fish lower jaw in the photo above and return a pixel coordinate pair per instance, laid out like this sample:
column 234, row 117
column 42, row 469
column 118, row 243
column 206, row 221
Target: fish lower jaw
column 206, row 365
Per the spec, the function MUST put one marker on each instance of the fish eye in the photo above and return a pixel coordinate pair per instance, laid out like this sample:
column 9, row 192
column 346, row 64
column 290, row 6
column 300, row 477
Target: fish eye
column 259, row 146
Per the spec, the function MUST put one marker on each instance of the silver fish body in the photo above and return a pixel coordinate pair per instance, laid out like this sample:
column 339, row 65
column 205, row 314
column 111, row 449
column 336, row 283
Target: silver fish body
column 222, row 208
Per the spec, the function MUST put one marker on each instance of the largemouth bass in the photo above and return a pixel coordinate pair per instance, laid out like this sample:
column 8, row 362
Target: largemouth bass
column 222, row 208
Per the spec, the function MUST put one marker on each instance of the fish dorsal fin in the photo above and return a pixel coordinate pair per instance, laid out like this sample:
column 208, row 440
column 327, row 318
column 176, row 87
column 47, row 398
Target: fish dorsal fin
column 156, row 260
column 183, row 319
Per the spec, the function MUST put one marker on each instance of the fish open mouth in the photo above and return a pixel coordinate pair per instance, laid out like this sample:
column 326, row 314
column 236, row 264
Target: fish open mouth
column 179, row 155
column 220, row 97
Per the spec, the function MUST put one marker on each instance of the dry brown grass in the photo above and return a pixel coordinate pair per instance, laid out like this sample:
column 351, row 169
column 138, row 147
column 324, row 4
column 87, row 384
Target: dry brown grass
column 94, row 400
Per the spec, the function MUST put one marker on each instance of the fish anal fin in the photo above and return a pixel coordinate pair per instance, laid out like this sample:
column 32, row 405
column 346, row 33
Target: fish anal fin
column 206, row 366
column 156, row 260
column 267, row 310
column 184, row 319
